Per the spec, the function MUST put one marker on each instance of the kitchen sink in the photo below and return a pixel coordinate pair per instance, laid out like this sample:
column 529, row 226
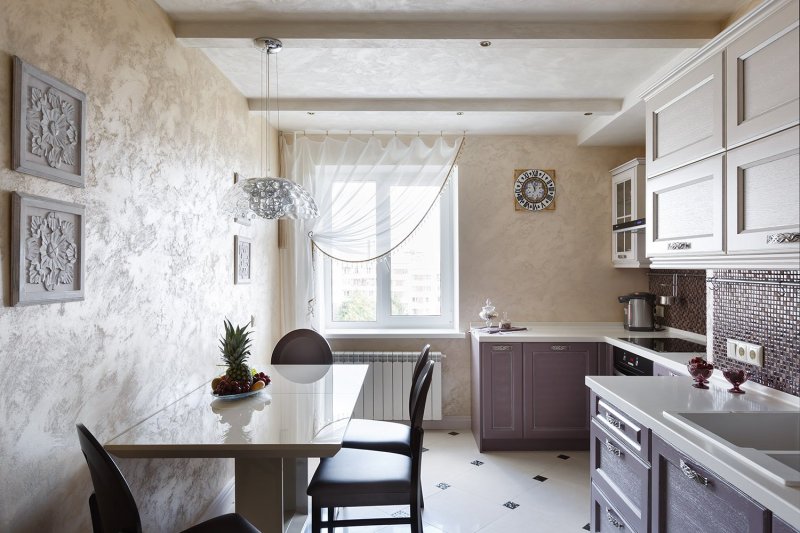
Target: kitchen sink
column 769, row 441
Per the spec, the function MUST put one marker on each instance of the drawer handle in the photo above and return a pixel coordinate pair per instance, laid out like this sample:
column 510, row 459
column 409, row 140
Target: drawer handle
column 681, row 245
column 502, row 348
column 612, row 519
column 613, row 449
column 692, row 474
column 559, row 348
column 783, row 238
column 614, row 422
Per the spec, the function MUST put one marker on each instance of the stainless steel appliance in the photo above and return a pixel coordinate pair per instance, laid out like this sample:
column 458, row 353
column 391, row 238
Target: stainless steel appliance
column 639, row 311
column 629, row 364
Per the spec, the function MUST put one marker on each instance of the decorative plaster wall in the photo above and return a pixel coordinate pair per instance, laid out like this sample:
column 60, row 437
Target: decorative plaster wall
column 544, row 266
column 166, row 131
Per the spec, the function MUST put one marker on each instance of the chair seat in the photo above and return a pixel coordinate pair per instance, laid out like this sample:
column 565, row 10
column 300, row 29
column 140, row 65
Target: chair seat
column 229, row 523
column 378, row 435
column 362, row 477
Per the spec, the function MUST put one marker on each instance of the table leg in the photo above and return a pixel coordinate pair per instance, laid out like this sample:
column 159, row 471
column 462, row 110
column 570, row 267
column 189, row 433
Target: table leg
column 271, row 492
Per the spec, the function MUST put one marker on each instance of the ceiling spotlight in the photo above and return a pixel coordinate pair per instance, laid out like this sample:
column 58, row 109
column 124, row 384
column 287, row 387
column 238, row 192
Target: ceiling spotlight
column 588, row 113
column 310, row 113
column 459, row 113
column 486, row 44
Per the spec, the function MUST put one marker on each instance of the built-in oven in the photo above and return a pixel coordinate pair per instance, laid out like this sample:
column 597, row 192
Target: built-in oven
column 630, row 364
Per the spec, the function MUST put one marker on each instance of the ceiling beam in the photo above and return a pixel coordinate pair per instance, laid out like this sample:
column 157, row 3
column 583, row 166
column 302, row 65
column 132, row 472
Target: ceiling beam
column 558, row 105
column 380, row 34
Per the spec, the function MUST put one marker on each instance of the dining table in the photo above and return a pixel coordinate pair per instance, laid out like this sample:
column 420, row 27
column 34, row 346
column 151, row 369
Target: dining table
column 302, row 413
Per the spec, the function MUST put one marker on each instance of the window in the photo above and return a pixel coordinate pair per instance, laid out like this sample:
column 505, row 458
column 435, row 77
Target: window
column 414, row 287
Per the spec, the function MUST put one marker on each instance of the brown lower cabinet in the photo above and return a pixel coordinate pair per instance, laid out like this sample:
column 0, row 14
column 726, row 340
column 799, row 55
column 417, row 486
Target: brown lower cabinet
column 643, row 484
column 531, row 396
column 688, row 498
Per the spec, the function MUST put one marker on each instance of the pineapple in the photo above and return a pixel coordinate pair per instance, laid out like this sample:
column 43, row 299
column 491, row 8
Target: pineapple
column 235, row 346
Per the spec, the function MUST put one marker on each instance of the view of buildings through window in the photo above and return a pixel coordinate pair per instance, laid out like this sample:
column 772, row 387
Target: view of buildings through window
column 412, row 270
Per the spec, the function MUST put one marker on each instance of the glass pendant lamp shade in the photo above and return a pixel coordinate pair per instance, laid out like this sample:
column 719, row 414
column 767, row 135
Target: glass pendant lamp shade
column 268, row 197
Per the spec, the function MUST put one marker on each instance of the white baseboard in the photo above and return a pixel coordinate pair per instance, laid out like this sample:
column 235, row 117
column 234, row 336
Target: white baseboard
column 221, row 504
column 449, row 422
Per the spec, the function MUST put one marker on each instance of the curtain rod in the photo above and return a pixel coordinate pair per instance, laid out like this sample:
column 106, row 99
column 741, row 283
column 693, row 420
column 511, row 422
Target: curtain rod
column 440, row 133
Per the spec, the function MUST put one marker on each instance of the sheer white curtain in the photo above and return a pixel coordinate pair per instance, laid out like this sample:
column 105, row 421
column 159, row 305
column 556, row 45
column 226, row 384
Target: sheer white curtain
column 372, row 193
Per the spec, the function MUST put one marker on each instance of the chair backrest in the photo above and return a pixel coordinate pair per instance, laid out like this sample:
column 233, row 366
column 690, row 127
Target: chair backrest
column 113, row 503
column 419, row 397
column 302, row 347
column 424, row 356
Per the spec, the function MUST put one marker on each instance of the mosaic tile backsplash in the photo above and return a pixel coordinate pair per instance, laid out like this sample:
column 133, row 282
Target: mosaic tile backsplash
column 689, row 311
column 762, row 314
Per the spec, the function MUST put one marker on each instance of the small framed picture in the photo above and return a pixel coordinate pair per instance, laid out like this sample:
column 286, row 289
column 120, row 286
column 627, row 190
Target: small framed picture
column 242, row 259
column 242, row 221
column 48, row 261
column 48, row 136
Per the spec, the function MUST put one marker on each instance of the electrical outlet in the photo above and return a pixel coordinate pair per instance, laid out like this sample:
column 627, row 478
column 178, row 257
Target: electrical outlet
column 755, row 355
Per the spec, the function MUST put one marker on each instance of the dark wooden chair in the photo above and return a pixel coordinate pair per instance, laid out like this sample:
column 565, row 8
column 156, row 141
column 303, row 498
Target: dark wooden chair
column 383, row 436
column 112, row 506
column 358, row 478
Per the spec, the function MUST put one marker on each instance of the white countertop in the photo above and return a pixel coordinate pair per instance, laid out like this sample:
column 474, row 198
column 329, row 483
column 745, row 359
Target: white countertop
column 646, row 398
column 608, row 332
column 289, row 419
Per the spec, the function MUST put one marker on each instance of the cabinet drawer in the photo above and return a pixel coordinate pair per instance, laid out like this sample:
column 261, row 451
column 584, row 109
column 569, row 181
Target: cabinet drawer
column 633, row 435
column 688, row 498
column 605, row 518
column 621, row 475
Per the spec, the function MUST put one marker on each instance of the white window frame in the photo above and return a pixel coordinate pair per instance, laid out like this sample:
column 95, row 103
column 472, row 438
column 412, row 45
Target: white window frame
column 385, row 321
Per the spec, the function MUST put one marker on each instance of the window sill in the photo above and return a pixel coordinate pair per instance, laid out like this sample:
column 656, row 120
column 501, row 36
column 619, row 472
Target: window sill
column 394, row 334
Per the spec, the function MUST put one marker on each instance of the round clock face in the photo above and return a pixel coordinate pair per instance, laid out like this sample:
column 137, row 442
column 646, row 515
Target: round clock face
column 534, row 189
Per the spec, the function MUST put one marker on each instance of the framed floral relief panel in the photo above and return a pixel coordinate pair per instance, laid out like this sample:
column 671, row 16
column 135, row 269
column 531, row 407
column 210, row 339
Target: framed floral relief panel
column 48, row 136
column 47, row 250
column 242, row 259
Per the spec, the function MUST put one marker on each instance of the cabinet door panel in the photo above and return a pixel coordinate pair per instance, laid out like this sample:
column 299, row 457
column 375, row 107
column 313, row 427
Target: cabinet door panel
column 556, row 400
column 685, row 208
column 762, row 78
column 779, row 526
column 763, row 193
column 684, row 121
column 501, row 390
column 687, row 498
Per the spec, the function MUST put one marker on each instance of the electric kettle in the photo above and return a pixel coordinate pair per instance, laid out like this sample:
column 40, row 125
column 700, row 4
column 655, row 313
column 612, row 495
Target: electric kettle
column 639, row 311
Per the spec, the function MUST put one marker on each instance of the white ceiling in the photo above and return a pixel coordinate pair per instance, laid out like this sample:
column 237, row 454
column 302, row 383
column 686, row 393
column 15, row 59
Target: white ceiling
column 412, row 65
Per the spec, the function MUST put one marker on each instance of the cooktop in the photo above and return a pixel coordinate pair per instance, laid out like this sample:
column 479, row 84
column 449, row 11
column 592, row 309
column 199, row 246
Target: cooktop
column 665, row 344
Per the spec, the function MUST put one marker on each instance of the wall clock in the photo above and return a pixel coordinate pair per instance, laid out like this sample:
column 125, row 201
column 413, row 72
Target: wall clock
column 534, row 189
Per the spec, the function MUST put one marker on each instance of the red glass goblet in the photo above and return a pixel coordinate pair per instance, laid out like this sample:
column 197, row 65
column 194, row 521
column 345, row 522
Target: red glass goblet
column 736, row 378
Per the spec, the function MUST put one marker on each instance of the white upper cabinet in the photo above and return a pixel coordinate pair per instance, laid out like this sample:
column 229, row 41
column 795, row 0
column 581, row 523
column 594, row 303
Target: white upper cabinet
column 685, row 210
column 724, row 191
column 684, row 120
column 762, row 77
column 627, row 209
column 763, row 195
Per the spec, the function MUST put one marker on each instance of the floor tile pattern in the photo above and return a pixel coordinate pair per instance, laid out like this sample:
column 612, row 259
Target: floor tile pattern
column 507, row 494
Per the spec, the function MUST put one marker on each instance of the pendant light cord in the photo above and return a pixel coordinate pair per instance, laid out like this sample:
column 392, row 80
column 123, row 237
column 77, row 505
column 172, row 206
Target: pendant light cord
column 266, row 119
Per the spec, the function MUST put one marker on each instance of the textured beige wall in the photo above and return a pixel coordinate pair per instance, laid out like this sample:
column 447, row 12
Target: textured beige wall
column 165, row 133
column 543, row 266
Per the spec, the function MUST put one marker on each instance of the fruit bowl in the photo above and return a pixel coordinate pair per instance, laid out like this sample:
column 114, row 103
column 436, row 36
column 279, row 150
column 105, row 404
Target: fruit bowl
column 239, row 396
column 700, row 370
column 736, row 378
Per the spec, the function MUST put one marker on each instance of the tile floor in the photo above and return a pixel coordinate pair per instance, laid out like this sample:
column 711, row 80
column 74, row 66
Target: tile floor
column 495, row 492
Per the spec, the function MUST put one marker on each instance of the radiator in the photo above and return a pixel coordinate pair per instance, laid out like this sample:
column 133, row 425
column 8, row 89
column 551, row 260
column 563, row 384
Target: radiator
column 387, row 385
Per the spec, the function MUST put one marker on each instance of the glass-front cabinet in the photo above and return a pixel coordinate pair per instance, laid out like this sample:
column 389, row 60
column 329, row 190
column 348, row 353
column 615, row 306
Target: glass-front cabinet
column 627, row 215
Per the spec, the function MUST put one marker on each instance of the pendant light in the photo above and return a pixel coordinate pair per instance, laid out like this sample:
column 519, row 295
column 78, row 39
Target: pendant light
column 269, row 197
